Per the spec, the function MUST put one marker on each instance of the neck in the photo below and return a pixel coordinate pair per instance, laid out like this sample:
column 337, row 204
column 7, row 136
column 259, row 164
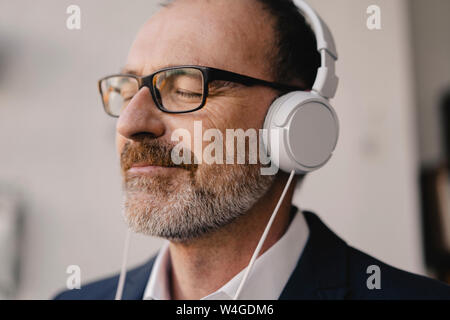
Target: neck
column 205, row 264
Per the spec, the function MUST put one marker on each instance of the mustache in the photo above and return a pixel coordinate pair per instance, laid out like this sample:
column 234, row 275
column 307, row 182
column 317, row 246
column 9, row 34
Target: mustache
column 153, row 153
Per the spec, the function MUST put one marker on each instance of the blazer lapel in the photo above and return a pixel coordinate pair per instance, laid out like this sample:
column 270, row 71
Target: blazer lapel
column 321, row 272
column 136, row 281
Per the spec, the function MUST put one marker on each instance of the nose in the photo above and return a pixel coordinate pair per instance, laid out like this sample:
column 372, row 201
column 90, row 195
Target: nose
column 141, row 117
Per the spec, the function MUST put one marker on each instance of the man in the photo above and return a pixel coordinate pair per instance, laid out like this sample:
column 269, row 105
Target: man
column 213, row 214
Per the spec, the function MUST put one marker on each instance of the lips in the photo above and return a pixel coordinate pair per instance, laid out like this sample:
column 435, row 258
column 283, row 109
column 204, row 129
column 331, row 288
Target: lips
column 148, row 156
column 149, row 169
column 142, row 164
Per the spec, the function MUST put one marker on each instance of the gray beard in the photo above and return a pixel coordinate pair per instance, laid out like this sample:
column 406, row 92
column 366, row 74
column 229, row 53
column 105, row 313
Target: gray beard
column 181, row 210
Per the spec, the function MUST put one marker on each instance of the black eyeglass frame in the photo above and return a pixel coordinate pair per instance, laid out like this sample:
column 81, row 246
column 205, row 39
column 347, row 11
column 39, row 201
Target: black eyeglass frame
column 209, row 75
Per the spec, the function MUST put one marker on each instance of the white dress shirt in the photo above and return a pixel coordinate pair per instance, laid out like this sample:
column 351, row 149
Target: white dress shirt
column 267, row 280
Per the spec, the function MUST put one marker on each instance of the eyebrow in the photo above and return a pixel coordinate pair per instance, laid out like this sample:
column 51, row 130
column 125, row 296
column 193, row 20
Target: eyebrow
column 126, row 70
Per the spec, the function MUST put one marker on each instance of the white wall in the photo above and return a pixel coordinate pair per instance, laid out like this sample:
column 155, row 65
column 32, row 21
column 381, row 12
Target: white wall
column 431, row 27
column 57, row 146
column 368, row 193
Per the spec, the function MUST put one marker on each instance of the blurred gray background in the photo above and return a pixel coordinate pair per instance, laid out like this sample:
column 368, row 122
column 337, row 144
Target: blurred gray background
column 57, row 151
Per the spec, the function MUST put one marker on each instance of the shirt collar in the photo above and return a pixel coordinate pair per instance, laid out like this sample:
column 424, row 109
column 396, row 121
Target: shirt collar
column 267, row 280
column 158, row 283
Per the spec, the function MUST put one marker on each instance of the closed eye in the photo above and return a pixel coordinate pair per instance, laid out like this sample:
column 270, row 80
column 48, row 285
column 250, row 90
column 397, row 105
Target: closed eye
column 188, row 94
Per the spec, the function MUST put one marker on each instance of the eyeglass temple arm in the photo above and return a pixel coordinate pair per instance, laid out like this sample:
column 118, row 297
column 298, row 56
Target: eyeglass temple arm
column 216, row 74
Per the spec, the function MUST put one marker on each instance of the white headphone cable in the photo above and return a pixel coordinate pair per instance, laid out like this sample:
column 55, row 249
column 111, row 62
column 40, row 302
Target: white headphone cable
column 123, row 271
column 263, row 237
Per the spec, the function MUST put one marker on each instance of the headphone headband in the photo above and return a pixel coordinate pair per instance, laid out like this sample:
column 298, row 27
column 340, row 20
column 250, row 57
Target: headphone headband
column 326, row 82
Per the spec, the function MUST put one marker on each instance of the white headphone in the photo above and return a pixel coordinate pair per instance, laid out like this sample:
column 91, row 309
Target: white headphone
column 307, row 125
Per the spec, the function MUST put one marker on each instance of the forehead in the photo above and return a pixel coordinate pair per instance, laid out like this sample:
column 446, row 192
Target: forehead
column 236, row 35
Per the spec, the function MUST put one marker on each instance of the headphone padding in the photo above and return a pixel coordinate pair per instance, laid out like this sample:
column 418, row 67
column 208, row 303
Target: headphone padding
column 303, row 131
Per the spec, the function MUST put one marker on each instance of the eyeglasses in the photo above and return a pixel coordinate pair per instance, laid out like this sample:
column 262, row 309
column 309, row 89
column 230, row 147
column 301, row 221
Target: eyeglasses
column 177, row 90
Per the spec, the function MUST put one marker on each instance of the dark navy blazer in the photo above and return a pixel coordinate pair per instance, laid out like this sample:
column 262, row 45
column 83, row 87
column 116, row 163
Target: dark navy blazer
column 327, row 269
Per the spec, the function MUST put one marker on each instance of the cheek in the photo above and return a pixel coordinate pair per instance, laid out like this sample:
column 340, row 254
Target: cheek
column 120, row 143
column 220, row 117
column 247, row 114
column 257, row 110
column 188, row 133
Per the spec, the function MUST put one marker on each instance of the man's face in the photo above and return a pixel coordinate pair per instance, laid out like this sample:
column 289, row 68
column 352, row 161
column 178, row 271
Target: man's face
column 181, row 203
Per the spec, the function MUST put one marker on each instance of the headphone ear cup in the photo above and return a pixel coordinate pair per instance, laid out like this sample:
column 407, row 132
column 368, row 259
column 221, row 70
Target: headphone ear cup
column 303, row 131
